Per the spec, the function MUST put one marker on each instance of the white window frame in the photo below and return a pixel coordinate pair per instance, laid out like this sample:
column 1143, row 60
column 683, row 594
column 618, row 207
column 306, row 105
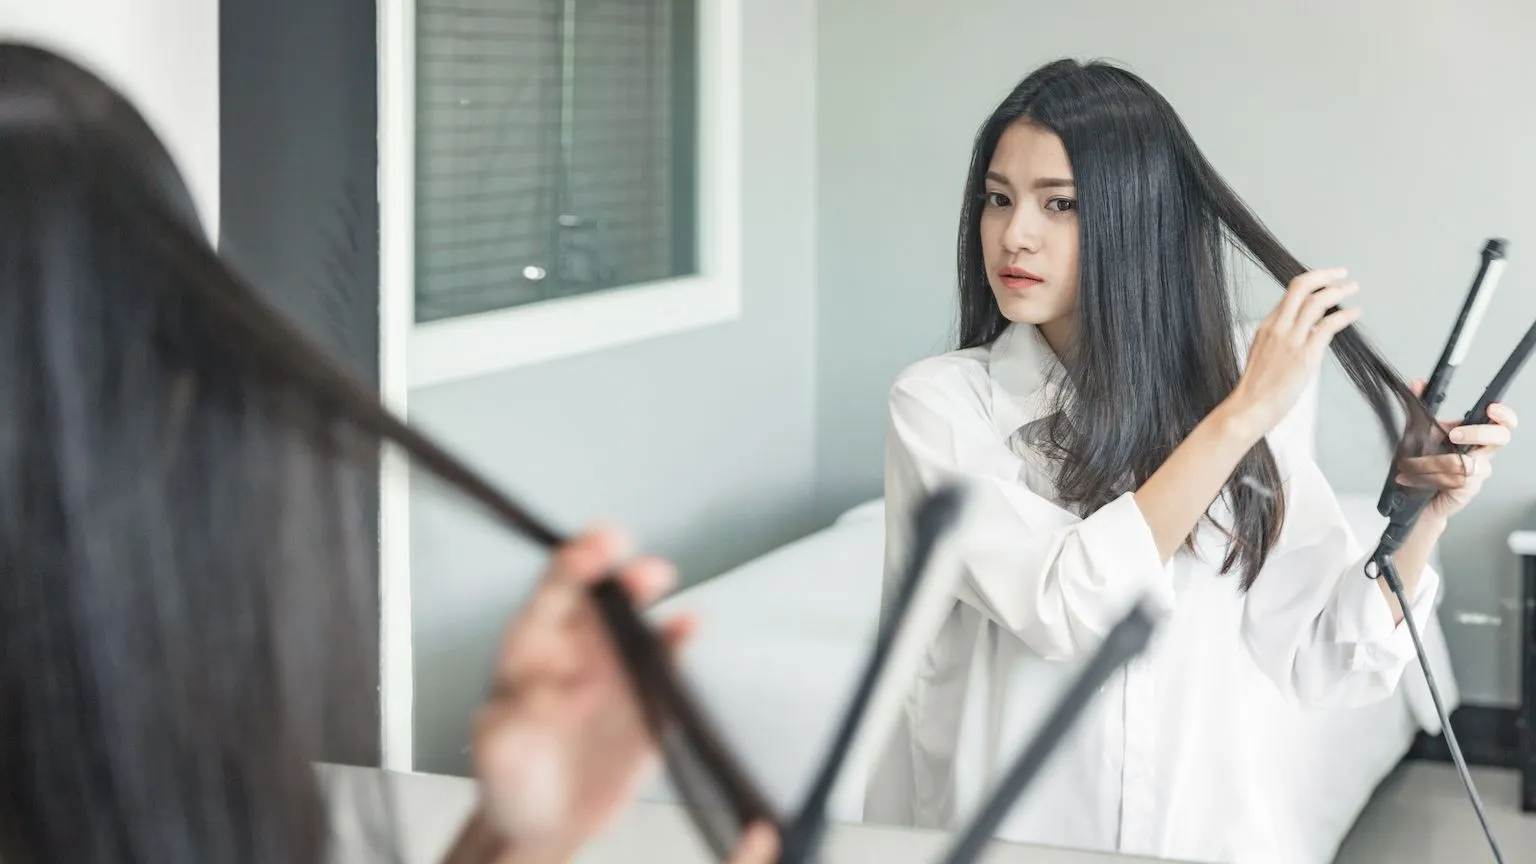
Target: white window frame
column 413, row 355
column 397, row 316
column 484, row 343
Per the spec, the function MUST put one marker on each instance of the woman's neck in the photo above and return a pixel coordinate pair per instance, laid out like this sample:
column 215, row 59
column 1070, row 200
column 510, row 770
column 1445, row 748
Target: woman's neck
column 1058, row 335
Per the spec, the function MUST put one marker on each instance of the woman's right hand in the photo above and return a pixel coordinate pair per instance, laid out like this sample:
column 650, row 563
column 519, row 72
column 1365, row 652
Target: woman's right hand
column 1288, row 348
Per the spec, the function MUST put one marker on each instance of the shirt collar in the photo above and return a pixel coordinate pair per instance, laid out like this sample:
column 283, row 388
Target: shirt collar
column 1023, row 371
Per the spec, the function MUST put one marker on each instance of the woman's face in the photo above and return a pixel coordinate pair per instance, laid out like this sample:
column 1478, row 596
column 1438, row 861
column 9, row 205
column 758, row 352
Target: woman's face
column 1029, row 231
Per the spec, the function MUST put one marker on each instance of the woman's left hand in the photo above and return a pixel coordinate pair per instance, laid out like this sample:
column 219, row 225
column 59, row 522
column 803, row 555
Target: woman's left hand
column 1460, row 476
column 561, row 745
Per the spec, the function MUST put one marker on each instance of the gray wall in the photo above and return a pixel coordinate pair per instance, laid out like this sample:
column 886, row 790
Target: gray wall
column 702, row 444
column 298, row 128
column 1389, row 138
column 299, row 162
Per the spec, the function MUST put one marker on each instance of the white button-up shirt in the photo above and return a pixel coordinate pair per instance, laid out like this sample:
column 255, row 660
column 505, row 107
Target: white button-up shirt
column 1169, row 760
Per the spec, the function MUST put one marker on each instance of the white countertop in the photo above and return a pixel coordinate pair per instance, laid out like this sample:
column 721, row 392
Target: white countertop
column 435, row 806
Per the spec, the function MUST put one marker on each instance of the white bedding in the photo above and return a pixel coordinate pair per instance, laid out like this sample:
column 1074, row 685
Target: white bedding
column 783, row 637
column 780, row 643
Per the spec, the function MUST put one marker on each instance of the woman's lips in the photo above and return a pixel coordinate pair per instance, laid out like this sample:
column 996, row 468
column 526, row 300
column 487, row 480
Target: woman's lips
column 1017, row 278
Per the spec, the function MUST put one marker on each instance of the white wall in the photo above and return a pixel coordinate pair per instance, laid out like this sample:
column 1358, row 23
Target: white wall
column 1391, row 138
column 163, row 54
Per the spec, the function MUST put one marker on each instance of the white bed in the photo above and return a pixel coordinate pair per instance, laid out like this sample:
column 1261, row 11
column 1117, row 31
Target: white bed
column 783, row 637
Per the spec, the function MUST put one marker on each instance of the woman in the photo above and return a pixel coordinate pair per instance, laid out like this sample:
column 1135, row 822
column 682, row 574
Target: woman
column 1117, row 448
column 185, row 607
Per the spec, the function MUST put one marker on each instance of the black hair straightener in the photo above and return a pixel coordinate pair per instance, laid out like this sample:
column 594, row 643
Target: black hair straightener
column 1402, row 506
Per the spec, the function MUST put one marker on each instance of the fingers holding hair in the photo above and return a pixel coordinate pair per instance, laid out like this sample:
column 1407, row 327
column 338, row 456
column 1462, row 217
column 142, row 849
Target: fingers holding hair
column 595, row 554
column 1332, row 325
column 1300, row 289
column 1444, row 471
column 1314, row 311
column 553, row 638
column 576, row 564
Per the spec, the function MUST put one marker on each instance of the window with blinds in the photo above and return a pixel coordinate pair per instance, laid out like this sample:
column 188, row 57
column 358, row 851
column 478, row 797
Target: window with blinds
column 555, row 149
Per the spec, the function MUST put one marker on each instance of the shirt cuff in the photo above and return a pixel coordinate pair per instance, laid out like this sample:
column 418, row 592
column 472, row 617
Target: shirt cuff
column 1364, row 619
column 1119, row 536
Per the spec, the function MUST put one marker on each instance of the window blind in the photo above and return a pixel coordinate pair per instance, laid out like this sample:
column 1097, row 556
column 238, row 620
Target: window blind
column 555, row 148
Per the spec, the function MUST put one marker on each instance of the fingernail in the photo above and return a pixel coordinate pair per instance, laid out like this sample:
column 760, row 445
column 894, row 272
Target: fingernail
column 659, row 574
column 1456, row 435
column 613, row 541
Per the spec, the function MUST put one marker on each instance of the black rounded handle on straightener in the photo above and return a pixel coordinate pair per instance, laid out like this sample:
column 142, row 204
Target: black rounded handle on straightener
column 1407, row 504
column 1478, row 414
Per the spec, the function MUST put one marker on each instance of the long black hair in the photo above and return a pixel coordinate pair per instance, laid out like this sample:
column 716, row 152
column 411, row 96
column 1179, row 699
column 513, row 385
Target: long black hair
column 186, row 603
column 1154, row 348
column 187, row 609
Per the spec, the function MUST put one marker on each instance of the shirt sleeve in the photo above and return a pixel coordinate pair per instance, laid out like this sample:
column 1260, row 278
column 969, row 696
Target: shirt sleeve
column 1313, row 621
column 1056, row 581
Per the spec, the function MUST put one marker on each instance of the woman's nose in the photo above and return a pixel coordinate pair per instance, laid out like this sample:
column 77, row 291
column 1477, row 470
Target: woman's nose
column 1021, row 235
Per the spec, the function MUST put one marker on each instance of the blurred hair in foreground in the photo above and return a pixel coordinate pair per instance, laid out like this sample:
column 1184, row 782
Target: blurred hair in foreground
column 188, row 613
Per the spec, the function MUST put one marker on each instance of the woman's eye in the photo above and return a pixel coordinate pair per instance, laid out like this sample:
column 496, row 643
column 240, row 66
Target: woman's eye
column 997, row 199
column 1061, row 205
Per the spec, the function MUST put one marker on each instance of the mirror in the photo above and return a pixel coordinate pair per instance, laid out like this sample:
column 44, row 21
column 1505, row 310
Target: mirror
column 751, row 447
